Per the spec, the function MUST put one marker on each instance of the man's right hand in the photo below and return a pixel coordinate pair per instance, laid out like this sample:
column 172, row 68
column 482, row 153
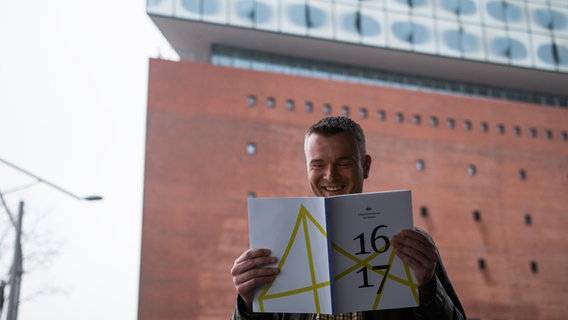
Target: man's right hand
column 249, row 272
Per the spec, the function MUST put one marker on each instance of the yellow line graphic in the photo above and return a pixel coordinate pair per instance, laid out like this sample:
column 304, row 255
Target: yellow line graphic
column 302, row 221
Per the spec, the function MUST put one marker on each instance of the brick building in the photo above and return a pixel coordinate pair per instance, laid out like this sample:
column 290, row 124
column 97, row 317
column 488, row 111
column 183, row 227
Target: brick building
column 484, row 150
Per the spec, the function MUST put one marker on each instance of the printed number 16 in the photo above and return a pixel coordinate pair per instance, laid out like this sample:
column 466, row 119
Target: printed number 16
column 382, row 249
column 374, row 239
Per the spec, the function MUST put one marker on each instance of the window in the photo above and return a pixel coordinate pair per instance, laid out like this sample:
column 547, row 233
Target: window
column 381, row 115
column 420, row 165
column 534, row 267
column 251, row 148
column 327, row 108
column 533, row 132
column 528, row 219
column 417, row 119
column 345, row 111
column 501, row 128
column 290, row 104
column 451, row 123
column 251, row 194
column 481, row 264
column 484, row 127
column 363, row 113
column 517, row 130
column 549, row 134
column 476, row 215
column 252, row 100
column 423, row 211
column 471, row 170
column 399, row 117
column 434, row 121
column 309, row 107
column 522, row 174
column 467, row 125
column 270, row 102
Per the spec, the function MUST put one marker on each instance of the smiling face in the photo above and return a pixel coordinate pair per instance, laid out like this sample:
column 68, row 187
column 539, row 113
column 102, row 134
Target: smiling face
column 335, row 165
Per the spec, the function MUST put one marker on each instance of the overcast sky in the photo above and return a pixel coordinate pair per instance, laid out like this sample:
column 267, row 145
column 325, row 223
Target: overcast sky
column 73, row 88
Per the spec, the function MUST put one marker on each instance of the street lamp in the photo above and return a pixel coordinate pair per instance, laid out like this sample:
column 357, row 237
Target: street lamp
column 17, row 264
column 41, row 180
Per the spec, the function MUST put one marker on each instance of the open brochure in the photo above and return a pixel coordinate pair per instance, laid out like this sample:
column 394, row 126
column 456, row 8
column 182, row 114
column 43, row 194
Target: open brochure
column 334, row 253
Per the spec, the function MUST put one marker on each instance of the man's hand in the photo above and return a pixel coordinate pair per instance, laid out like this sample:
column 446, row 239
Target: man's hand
column 249, row 273
column 419, row 253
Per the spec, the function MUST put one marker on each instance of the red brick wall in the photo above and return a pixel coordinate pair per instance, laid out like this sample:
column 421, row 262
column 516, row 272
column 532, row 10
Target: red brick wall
column 198, row 175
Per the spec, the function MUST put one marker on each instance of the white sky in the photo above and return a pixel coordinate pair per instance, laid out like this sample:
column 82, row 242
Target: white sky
column 73, row 87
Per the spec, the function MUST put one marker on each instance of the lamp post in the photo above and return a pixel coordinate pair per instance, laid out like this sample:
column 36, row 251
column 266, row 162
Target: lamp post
column 17, row 264
column 38, row 179
column 17, row 269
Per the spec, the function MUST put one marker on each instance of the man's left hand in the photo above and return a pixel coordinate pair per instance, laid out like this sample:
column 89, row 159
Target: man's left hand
column 418, row 252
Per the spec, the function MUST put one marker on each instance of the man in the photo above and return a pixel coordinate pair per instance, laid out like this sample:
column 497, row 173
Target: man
column 338, row 163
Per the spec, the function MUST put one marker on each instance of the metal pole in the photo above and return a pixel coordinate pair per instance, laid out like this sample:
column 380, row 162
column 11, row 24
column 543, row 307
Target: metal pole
column 89, row 198
column 2, row 287
column 17, row 270
column 17, row 264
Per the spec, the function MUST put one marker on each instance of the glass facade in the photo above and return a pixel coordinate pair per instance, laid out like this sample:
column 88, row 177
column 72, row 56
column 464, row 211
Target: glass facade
column 523, row 33
column 262, row 61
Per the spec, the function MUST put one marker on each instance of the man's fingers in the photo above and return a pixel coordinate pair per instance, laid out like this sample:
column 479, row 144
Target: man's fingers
column 255, row 277
column 250, row 270
column 252, row 253
column 252, row 260
column 415, row 249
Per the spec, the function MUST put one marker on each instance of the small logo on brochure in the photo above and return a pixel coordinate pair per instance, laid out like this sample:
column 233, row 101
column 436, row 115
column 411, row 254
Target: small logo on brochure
column 369, row 213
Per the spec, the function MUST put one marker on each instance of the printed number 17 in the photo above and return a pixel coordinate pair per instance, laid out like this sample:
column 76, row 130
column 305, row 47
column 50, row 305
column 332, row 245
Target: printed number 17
column 366, row 277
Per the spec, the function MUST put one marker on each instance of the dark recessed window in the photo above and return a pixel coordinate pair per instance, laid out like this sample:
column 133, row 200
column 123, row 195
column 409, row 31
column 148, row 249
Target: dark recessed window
column 501, row 128
column 564, row 135
column 517, row 130
column 534, row 267
column 345, row 111
column 327, row 108
column 484, row 127
column 533, row 132
column 363, row 113
column 251, row 148
column 467, row 125
column 309, row 107
column 381, row 115
column 451, row 123
column 399, row 117
column 549, row 134
column 252, row 100
column 471, row 170
column 434, row 121
column 481, row 264
column 476, row 215
column 528, row 219
column 290, row 104
column 420, row 165
column 423, row 211
column 522, row 174
column 251, row 194
column 270, row 102
column 417, row 119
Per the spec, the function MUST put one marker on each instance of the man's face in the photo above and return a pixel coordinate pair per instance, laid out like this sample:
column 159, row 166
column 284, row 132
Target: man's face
column 334, row 165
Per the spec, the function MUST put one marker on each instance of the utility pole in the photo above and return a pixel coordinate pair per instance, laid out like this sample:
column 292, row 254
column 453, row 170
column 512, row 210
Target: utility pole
column 17, row 265
column 2, row 286
column 17, row 269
